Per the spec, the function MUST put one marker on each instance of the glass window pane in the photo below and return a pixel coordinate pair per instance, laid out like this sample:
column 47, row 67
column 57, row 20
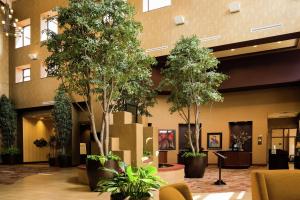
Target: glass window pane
column 43, row 29
column 277, row 143
column 52, row 25
column 277, row 133
column 26, row 72
column 26, row 79
column 26, row 33
column 19, row 41
column 154, row 4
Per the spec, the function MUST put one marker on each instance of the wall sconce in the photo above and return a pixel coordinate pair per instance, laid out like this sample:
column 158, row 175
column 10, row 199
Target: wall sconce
column 179, row 20
column 259, row 140
column 33, row 56
column 234, row 7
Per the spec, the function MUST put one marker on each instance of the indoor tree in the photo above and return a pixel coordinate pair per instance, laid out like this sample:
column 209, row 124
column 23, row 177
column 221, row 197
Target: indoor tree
column 8, row 127
column 97, row 56
column 8, row 122
column 192, row 78
column 62, row 118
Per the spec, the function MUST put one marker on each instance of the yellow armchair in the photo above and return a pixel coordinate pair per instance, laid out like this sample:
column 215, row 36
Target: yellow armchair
column 276, row 185
column 178, row 191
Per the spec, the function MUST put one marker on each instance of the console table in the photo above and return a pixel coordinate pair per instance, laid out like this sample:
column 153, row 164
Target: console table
column 236, row 159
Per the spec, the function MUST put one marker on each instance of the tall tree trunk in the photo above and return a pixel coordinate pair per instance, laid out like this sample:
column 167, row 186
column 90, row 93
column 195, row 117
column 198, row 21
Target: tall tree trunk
column 93, row 127
column 106, row 121
column 197, row 131
column 189, row 130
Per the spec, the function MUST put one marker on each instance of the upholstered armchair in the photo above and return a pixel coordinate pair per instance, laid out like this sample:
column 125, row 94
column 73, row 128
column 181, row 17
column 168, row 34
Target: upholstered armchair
column 178, row 191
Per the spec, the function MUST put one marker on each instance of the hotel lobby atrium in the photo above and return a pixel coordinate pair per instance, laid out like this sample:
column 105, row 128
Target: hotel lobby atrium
column 149, row 99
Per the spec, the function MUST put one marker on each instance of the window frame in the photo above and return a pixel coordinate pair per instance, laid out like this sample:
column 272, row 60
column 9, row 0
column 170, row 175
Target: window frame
column 22, row 35
column 147, row 8
column 23, row 74
column 47, row 20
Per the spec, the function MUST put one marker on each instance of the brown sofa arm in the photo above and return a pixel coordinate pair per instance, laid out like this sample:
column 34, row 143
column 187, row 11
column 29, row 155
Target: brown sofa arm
column 182, row 188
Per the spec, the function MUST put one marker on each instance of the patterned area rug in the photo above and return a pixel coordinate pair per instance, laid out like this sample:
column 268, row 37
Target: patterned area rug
column 11, row 174
column 236, row 180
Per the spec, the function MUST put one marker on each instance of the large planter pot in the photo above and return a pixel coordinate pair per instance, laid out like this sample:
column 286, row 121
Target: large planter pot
column 52, row 162
column 195, row 167
column 9, row 159
column 118, row 196
column 96, row 172
column 122, row 197
column 64, row 161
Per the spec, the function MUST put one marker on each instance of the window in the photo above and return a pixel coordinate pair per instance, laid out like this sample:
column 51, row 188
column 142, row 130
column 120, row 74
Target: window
column 23, row 73
column 44, row 73
column 23, row 37
column 155, row 4
column 48, row 23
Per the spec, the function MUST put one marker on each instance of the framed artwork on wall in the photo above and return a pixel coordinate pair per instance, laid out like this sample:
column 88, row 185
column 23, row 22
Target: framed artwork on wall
column 166, row 139
column 214, row 140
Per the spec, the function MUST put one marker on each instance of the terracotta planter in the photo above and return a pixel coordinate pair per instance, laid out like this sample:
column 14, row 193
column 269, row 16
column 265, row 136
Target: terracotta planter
column 194, row 167
column 96, row 173
column 8, row 159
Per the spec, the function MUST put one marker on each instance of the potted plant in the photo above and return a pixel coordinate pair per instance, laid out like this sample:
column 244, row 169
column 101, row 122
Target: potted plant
column 11, row 156
column 131, row 183
column 62, row 117
column 95, row 165
column 107, row 63
column 8, row 127
column 192, row 78
column 52, row 153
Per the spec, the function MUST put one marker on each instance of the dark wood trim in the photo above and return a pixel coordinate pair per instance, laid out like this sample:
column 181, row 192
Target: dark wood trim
column 271, row 39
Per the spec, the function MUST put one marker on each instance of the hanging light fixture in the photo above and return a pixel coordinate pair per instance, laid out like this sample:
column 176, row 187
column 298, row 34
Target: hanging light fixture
column 9, row 23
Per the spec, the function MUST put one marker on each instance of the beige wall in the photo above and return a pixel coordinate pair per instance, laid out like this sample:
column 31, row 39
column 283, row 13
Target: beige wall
column 239, row 106
column 35, row 129
column 37, row 91
column 207, row 18
column 4, row 65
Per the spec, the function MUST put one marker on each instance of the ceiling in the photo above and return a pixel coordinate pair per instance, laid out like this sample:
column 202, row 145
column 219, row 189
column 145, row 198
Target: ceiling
column 259, row 48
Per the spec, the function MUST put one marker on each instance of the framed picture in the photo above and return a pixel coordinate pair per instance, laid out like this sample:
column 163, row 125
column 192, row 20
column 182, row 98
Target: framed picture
column 214, row 140
column 166, row 139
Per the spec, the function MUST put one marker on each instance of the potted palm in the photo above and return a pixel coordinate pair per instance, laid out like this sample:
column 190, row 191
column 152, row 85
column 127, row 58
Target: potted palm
column 192, row 78
column 8, row 127
column 132, row 183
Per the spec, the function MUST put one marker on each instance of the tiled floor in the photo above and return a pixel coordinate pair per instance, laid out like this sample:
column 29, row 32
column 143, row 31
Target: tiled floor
column 62, row 185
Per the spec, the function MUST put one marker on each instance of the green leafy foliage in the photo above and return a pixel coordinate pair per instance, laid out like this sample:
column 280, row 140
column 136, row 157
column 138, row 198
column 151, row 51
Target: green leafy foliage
column 98, row 55
column 191, row 76
column 11, row 151
column 62, row 117
column 193, row 154
column 104, row 158
column 134, row 183
column 8, row 122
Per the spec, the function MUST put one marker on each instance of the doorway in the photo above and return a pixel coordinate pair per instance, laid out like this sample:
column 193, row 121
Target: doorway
column 284, row 139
